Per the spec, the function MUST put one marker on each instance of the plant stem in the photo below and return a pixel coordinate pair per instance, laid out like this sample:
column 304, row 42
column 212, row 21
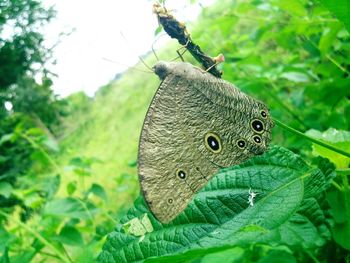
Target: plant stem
column 316, row 141
column 346, row 195
column 48, row 254
column 88, row 212
column 39, row 237
column 336, row 63
column 345, row 171
column 312, row 257
column 41, row 149
column 283, row 104
column 337, row 186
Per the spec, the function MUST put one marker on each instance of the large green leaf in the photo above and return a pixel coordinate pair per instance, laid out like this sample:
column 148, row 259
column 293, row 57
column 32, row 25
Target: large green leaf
column 341, row 9
column 338, row 138
column 286, row 210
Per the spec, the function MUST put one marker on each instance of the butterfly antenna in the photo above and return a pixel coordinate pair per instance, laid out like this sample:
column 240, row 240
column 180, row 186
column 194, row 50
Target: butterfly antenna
column 129, row 67
column 140, row 58
column 154, row 53
column 154, row 42
column 181, row 51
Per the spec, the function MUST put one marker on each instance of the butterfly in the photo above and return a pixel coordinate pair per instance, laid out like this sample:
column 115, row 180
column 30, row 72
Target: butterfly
column 196, row 125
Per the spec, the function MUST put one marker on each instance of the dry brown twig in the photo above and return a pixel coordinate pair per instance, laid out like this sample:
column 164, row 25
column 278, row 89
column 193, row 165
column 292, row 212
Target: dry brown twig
column 177, row 30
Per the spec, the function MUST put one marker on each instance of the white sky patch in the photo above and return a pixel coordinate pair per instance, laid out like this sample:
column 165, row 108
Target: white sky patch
column 80, row 63
column 8, row 105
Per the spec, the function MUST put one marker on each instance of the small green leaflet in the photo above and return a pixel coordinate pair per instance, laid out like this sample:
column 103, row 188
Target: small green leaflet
column 138, row 227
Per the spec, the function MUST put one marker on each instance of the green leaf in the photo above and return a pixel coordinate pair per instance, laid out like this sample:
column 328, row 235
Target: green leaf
column 80, row 162
column 338, row 138
column 294, row 7
column 295, row 76
column 35, row 132
column 99, row 191
column 51, row 144
column 5, row 189
column 228, row 256
column 328, row 37
column 341, row 228
column 6, row 239
column 6, row 138
column 85, row 255
column 70, row 236
column 5, row 257
column 71, row 187
column 51, row 185
column 341, row 9
column 82, row 166
column 278, row 256
column 138, row 227
column 158, row 30
column 69, row 207
column 286, row 210
column 33, row 200
column 132, row 163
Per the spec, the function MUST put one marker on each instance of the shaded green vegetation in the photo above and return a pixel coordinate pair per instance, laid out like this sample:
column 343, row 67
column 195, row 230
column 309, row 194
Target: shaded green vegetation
column 293, row 56
column 59, row 200
column 220, row 217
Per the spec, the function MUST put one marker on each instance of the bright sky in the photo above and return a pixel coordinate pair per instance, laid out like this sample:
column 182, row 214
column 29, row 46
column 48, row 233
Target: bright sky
column 80, row 57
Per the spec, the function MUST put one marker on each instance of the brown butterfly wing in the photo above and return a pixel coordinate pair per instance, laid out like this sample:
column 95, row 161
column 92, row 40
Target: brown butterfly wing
column 215, row 106
column 174, row 159
column 161, row 155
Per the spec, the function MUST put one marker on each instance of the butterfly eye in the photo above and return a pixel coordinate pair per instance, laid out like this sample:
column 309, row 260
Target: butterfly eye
column 257, row 139
column 257, row 126
column 212, row 142
column 241, row 143
column 181, row 174
column 263, row 114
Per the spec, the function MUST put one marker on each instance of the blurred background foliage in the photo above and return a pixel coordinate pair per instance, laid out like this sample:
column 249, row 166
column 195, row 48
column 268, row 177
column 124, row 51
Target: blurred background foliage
column 68, row 166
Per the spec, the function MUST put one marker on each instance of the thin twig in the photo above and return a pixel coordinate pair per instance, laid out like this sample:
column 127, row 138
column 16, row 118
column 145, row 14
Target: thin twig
column 177, row 30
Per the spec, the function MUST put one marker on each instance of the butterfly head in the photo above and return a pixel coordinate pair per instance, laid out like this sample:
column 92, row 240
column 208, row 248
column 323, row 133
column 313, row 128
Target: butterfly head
column 164, row 69
column 161, row 69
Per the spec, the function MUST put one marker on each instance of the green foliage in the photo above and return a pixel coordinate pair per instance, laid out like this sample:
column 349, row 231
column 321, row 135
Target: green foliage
column 53, row 222
column 26, row 130
column 23, row 56
column 60, row 198
column 340, row 210
column 20, row 38
column 340, row 9
column 5, row 257
column 292, row 55
column 338, row 138
column 296, row 64
column 39, row 102
column 220, row 217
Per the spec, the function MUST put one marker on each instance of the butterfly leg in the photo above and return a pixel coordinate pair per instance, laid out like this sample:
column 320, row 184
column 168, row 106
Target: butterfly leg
column 182, row 50
column 218, row 59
